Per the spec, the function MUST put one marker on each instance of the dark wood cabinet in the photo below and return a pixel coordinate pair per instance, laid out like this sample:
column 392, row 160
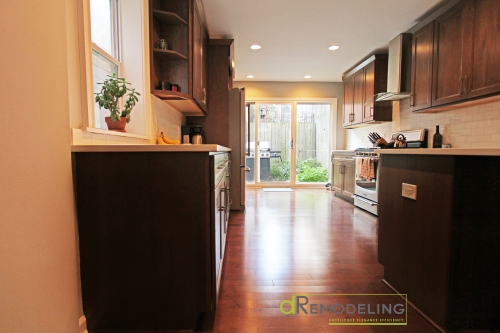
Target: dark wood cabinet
column 173, row 71
column 421, row 71
column 465, row 62
column 360, row 85
column 199, row 59
column 442, row 249
column 220, row 75
column 482, row 73
column 449, row 56
column 348, row 101
column 151, row 237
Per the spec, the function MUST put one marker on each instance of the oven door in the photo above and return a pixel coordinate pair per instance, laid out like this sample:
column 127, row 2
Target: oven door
column 366, row 193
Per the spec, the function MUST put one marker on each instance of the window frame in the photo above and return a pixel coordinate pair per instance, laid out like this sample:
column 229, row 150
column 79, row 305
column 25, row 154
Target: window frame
column 86, row 46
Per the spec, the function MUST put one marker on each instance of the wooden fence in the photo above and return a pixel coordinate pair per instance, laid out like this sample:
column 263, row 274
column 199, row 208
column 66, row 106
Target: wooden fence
column 309, row 140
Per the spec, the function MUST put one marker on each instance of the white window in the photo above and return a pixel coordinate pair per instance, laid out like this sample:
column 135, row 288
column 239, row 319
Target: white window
column 115, row 41
column 105, row 27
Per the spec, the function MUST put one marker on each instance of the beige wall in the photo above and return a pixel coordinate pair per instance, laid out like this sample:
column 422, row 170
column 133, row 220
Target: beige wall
column 260, row 89
column 38, row 259
column 462, row 127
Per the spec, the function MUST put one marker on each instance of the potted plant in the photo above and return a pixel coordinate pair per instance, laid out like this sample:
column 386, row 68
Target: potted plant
column 112, row 90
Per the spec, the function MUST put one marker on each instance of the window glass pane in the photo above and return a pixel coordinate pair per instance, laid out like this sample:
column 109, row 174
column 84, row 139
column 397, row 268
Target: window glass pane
column 102, row 25
column 102, row 67
column 313, row 142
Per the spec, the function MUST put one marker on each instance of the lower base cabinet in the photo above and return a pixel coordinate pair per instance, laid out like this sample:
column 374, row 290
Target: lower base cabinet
column 443, row 248
column 343, row 174
column 152, row 236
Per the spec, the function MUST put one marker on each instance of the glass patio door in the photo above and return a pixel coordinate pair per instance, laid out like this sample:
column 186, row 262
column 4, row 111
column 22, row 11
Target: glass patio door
column 289, row 143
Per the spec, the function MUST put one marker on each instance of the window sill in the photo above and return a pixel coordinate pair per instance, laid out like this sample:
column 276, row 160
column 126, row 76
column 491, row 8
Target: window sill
column 107, row 132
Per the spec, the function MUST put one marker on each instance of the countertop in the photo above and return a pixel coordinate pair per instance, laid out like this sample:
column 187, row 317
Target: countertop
column 342, row 151
column 150, row 148
column 442, row 151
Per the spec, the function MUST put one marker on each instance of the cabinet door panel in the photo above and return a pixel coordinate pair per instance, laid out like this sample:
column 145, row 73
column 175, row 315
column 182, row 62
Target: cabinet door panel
column 369, row 91
column 348, row 100
column 421, row 73
column 484, row 77
column 448, row 56
column 349, row 181
column 199, row 68
column 337, row 176
column 359, row 100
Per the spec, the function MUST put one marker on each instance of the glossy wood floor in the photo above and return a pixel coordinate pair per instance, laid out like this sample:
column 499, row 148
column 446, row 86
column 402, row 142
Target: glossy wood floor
column 306, row 241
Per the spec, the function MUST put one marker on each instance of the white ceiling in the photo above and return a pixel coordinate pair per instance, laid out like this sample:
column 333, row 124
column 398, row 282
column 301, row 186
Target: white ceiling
column 295, row 34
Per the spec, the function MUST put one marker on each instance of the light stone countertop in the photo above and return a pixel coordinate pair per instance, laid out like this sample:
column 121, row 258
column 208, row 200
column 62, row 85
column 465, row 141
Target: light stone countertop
column 181, row 148
column 442, row 151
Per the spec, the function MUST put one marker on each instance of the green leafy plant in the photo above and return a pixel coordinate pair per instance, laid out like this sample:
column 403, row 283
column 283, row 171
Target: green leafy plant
column 280, row 171
column 112, row 90
column 308, row 171
column 311, row 171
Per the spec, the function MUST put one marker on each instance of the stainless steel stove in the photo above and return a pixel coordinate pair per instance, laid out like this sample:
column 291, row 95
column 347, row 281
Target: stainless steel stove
column 366, row 188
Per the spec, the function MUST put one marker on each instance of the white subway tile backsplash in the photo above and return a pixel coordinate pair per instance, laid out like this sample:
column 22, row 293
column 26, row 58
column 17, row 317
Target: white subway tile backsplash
column 464, row 127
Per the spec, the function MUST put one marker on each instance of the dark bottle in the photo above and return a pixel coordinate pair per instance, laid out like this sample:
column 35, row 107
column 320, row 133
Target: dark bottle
column 437, row 140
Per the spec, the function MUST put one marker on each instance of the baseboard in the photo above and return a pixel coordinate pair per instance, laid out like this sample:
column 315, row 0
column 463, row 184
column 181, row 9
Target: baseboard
column 82, row 325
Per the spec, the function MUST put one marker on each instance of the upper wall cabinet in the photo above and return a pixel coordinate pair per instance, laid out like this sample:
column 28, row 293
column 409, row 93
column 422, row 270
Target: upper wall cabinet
column 465, row 63
column 177, row 40
column 360, row 85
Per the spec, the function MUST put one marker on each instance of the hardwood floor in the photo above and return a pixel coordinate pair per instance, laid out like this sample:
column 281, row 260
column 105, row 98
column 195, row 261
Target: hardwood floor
column 306, row 241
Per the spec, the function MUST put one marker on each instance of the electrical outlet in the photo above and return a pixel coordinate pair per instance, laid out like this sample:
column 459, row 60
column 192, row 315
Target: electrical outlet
column 409, row 191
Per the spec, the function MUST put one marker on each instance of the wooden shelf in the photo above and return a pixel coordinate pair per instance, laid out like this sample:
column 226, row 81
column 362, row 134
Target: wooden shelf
column 179, row 101
column 169, row 54
column 168, row 17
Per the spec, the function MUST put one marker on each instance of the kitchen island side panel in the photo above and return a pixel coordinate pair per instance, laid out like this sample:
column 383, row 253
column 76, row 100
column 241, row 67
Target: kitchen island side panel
column 144, row 240
column 414, row 235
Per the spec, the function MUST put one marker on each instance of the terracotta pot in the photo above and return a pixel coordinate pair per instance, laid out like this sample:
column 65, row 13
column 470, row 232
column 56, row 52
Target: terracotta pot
column 118, row 126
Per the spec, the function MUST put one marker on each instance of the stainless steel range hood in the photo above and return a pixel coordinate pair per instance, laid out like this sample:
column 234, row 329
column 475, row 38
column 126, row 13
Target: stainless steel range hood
column 399, row 69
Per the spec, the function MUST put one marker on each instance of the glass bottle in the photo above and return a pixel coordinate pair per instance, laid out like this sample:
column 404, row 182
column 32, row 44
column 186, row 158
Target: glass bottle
column 437, row 139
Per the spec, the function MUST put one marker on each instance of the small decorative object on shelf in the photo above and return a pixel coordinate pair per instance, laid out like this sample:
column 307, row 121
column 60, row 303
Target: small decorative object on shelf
column 164, row 85
column 162, row 44
column 112, row 90
column 175, row 87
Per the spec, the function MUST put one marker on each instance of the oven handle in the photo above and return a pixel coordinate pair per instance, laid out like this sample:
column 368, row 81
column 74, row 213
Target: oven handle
column 371, row 203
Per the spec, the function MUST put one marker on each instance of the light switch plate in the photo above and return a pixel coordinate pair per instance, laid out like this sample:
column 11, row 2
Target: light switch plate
column 409, row 191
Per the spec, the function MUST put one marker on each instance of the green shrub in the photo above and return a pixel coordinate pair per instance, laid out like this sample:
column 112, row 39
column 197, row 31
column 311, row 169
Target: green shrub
column 280, row 170
column 308, row 171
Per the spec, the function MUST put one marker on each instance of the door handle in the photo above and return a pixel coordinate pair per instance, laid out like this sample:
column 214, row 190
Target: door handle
column 247, row 169
column 460, row 81
column 466, row 81
column 291, row 143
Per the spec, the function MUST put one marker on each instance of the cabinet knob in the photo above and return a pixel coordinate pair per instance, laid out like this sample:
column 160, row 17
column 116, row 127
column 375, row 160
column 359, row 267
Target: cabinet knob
column 222, row 209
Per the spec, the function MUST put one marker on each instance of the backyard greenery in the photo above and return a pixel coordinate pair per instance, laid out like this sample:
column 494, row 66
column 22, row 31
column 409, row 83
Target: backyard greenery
column 308, row 170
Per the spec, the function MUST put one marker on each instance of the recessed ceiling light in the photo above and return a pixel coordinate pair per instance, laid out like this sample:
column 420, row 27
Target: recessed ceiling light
column 255, row 47
column 307, row 77
column 250, row 76
column 334, row 47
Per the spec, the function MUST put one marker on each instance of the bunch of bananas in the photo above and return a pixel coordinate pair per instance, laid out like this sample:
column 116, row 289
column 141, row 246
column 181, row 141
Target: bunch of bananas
column 162, row 140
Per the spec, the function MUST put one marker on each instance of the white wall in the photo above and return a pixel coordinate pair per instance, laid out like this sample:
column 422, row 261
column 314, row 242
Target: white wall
column 462, row 127
column 38, row 260
column 261, row 89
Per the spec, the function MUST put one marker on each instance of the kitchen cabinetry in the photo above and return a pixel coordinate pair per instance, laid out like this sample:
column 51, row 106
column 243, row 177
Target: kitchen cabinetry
column 199, row 60
column 360, row 85
column 465, row 63
column 220, row 75
column 442, row 249
column 151, row 237
column 178, row 22
column 343, row 174
column 421, row 71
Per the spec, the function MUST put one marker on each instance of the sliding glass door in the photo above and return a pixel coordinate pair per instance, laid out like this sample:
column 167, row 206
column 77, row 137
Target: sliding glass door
column 293, row 143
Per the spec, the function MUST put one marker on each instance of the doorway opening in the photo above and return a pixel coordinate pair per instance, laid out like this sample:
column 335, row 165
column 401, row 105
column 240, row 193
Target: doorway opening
column 290, row 142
